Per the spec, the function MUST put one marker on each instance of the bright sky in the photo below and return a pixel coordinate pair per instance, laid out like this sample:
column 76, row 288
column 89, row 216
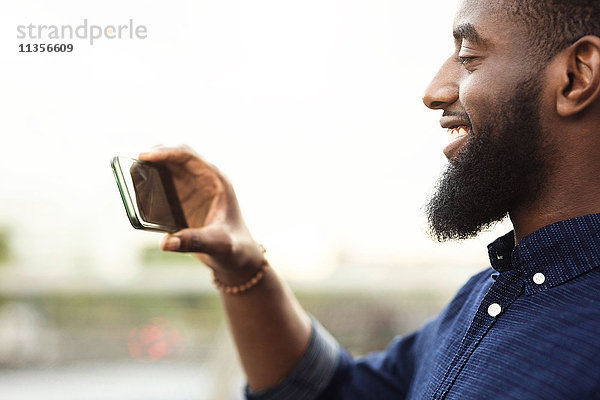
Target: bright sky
column 311, row 107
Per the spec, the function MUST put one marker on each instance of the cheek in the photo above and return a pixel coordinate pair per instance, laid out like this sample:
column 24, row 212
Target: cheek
column 482, row 93
column 475, row 100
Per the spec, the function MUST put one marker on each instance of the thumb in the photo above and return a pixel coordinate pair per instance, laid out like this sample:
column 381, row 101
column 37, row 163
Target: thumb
column 209, row 240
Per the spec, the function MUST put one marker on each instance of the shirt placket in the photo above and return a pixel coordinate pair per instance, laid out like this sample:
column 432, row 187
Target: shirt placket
column 503, row 292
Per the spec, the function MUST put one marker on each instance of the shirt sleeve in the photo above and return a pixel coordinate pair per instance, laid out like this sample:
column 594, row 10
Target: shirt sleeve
column 311, row 375
column 329, row 372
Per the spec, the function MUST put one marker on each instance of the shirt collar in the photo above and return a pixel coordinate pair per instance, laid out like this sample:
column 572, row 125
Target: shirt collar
column 552, row 255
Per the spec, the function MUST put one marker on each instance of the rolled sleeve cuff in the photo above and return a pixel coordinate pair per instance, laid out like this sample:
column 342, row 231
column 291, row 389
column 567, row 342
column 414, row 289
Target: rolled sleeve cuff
column 311, row 375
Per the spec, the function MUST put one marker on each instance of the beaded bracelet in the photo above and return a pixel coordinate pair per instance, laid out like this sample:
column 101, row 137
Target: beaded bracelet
column 244, row 286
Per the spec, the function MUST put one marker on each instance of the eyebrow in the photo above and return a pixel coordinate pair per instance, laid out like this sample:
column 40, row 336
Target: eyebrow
column 467, row 31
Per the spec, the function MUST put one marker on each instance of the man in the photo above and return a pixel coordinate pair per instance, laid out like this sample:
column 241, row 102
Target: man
column 521, row 97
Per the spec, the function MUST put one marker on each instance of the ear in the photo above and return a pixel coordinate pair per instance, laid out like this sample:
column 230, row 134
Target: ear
column 579, row 76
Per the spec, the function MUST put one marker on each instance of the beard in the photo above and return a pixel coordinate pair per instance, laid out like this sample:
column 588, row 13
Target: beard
column 500, row 166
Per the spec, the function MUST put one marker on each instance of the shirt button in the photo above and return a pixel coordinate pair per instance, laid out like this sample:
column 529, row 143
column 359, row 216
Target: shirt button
column 539, row 278
column 494, row 310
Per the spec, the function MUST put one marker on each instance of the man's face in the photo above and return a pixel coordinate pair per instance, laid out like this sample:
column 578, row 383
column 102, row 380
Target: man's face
column 490, row 92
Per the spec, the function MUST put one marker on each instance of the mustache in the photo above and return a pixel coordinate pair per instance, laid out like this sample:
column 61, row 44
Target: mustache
column 462, row 115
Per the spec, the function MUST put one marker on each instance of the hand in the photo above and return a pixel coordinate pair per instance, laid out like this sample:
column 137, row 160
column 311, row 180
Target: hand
column 217, row 233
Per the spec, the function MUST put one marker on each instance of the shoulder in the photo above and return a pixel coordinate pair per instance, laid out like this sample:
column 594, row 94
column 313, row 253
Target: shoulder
column 470, row 293
column 459, row 311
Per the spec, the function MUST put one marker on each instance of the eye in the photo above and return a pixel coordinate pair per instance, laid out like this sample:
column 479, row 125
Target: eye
column 468, row 62
column 465, row 60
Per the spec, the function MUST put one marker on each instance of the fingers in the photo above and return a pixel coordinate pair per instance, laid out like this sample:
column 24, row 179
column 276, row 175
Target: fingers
column 181, row 155
column 170, row 243
column 210, row 240
column 176, row 155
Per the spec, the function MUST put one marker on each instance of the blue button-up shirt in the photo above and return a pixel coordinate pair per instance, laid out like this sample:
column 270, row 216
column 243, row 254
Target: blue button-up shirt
column 527, row 328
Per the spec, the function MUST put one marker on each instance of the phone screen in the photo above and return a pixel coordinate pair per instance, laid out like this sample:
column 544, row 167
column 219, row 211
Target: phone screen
column 155, row 194
column 151, row 188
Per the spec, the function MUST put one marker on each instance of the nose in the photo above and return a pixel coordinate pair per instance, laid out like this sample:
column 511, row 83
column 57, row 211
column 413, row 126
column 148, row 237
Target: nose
column 443, row 89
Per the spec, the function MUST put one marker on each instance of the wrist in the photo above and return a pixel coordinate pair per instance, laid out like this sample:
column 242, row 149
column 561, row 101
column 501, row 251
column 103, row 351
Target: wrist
column 236, row 276
column 240, row 272
column 242, row 287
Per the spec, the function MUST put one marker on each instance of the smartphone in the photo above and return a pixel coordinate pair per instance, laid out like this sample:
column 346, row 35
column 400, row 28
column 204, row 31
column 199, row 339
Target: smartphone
column 149, row 195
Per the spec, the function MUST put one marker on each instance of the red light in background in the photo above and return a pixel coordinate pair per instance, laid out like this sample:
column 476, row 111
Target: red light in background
column 155, row 340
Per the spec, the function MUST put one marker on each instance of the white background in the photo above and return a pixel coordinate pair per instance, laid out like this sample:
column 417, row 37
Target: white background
column 312, row 108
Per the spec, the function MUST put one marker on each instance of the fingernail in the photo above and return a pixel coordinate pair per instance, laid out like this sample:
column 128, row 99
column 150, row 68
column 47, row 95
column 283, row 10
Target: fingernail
column 172, row 243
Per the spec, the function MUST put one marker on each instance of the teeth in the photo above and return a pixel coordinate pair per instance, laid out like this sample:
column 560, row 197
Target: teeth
column 456, row 133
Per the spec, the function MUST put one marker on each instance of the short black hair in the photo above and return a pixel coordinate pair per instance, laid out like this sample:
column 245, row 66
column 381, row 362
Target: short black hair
column 553, row 25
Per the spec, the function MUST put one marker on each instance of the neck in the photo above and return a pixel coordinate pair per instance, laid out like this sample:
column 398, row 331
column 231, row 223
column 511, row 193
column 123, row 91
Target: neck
column 567, row 195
